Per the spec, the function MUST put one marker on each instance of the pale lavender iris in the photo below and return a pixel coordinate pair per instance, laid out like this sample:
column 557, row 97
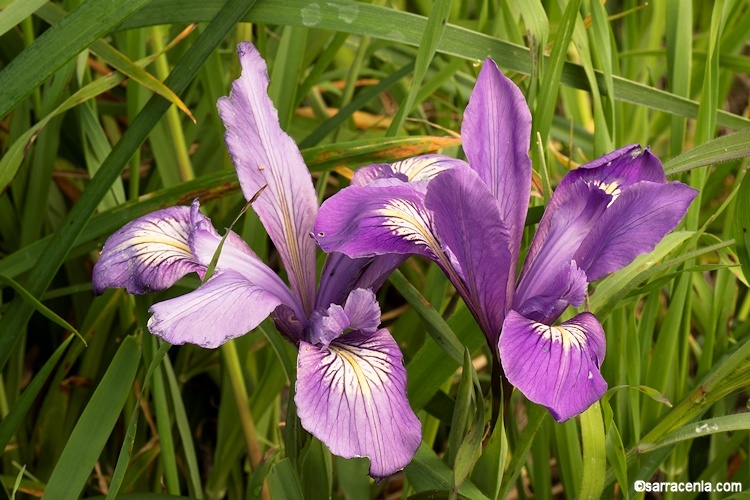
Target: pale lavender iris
column 469, row 218
column 351, row 382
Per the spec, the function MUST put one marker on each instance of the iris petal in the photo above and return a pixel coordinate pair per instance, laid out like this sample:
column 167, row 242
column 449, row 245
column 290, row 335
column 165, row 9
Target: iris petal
column 224, row 307
column 148, row 254
column 419, row 168
column 467, row 218
column 496, row 131
column 237, row 256
column 635, row 222
column 266, row 156
column 352, row 396
column 555, row 366
column 376, row 220
column 341, row 274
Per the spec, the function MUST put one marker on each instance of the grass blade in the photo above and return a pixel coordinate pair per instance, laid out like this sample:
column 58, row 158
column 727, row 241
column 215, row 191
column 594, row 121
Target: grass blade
column 15, row 417
column 594, row 452
column 95, row 424
column 17, row 12
column 432, row 33
column 59, row 44
column 11, row 324
column 52, row 13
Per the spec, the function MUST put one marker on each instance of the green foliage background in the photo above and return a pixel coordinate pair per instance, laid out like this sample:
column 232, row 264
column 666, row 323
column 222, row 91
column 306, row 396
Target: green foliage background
column 91, row 138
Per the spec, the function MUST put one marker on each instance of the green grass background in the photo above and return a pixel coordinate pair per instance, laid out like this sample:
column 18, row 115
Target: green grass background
column 107, row 112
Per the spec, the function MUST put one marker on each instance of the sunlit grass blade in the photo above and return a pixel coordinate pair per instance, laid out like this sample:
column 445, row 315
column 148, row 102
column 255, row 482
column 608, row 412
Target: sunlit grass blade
column 16, row 12
column 58, row 45
column 722, row 149
column 378, row 22
column 52, row 13
column 727, row 423
column 553, row 73
column 594, row 453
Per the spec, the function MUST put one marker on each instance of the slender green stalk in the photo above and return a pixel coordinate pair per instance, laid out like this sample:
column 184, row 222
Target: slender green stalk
column 173, row 125
column 237, row 381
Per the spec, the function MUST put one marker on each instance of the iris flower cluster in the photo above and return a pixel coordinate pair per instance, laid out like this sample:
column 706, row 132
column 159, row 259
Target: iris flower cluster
column 468, row 217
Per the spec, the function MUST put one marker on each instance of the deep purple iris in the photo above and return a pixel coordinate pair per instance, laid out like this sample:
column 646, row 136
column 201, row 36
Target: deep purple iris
column 469, row 219
column 351, row 382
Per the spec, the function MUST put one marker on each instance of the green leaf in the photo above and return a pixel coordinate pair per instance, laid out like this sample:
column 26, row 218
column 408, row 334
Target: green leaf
column 489, row 469
column 53, row 13
column 433, row 31
column 722, row 149
column 95, row 424
column 462, row 408
column 536, row 415
column 471, row 443
column 727, row 423
column 594, row 452
column 614, row 447
column 17, row 12
column 545, row 107
column 123, row 460
column 255, row 484
column 401, row 27
column 283, row 481
column 41, row 308
column 345, row 112
column 648, row 391
column 427, row 472
column 436, row 325
column 11, row 324
column 741, row 226
column 316, row 470
column 10, row 423
column 58, row 45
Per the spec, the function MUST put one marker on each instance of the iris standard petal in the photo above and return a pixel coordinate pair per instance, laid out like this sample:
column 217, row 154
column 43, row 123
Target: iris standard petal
column 635, row 222
column 567, row 287
column 224, row 307
column 555, row 366
column 468, row 221
column 352, row 396
column 149, row 254
column 363, row 310
column 496, row 131
column 266, row 156
column 375, row 220
column 326, row 325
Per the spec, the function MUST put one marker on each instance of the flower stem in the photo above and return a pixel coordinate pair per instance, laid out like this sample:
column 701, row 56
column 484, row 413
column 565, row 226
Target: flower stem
column 239, row 389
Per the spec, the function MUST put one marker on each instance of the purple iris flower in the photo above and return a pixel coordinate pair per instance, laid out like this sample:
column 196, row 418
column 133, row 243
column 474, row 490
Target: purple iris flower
column 351, row 382
column 469, row 218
